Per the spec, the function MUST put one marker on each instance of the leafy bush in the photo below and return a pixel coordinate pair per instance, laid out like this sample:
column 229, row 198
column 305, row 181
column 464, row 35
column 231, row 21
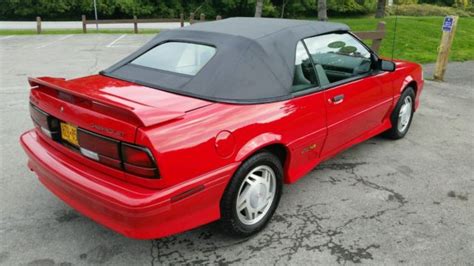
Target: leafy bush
column 349, row 7
column 405, row 2
column 462, row 3
column 426, row 10
column 470, row 10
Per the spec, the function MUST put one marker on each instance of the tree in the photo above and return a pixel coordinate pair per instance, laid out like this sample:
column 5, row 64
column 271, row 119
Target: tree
column 258, row 8
column 322, row 10
column 283, row 5
column 380, row 12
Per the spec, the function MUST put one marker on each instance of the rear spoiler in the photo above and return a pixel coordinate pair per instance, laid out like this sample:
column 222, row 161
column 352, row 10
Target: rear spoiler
column 143, row 114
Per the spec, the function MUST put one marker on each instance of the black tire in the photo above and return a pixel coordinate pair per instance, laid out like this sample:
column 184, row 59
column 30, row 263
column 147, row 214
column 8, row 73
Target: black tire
column 395, row 132
column 230, row 222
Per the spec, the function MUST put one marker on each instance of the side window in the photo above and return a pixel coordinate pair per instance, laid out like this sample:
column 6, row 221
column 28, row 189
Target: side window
column 338, row 56
column 304, row 74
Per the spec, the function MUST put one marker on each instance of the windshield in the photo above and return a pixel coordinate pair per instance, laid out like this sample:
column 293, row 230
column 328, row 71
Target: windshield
column 177, row 57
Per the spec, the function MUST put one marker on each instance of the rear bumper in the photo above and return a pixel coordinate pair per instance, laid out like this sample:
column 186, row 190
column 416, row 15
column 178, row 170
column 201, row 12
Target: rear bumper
column 131, row 210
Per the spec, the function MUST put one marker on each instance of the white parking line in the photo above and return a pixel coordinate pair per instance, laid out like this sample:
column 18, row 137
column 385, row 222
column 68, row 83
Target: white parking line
column 53, row 42
column 7, row 37
column 116, row 40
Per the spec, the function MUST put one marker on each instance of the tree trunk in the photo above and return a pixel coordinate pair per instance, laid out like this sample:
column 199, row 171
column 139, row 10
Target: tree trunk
column 380, row 12
column 258, row 8
column 322, row 10
column 283, row 5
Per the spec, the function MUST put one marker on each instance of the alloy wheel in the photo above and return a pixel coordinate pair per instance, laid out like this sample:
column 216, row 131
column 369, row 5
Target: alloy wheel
column 256, row 195
column 405, row 113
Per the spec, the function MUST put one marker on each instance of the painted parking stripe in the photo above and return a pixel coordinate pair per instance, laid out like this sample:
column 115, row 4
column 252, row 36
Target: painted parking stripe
column 56, row 41
column 115, row 41
column 7, row 37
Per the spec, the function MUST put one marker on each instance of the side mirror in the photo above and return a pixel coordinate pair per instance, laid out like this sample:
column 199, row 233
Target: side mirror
column 386, row 65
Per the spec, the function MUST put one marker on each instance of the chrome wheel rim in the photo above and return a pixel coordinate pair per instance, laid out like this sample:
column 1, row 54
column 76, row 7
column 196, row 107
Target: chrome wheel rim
column 256, row 195
column 404, row 115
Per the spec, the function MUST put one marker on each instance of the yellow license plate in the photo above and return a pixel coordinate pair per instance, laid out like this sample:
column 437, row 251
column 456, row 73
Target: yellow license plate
column 69, row 133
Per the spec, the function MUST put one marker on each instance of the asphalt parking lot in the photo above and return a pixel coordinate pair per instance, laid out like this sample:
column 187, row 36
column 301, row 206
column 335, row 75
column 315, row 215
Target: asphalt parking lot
column 382, row 202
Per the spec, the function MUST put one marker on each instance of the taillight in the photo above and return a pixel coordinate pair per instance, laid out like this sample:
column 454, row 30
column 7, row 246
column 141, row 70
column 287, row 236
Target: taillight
column 39, row 117
column 134, row 159
column 99, row 148
column 47, row 124
column 136, row 155
column 138, row 160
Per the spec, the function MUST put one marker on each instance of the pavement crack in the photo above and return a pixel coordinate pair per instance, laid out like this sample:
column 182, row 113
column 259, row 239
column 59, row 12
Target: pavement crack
column 155, row 252
column 92, row 68
column 339, row 166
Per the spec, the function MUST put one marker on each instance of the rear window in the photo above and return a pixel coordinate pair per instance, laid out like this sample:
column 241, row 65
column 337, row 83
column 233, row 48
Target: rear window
column 177, row 57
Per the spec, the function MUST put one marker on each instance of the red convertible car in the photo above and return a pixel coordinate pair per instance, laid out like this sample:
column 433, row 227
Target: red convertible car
column 208, row 122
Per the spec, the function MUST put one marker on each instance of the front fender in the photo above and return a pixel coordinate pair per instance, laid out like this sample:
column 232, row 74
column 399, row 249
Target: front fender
column 408, row 79
column 409, row 73
column 418, row 81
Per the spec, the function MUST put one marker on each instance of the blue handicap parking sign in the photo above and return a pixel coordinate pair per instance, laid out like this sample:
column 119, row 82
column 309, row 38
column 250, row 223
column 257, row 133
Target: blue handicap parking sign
column 448, row 23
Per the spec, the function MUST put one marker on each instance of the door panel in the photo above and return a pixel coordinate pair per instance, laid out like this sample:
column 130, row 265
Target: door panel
column 307, row 130
column 363, row 107
column 357, row 101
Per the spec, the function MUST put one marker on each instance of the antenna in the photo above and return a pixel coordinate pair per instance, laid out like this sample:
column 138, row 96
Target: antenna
column 395, row 31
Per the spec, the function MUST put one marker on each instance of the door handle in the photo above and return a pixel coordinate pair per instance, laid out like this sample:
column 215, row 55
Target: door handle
column 337, row 99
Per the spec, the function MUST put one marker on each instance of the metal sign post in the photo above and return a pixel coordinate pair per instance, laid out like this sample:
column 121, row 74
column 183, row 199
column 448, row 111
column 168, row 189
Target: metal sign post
column 449, row 29
column 96, row 17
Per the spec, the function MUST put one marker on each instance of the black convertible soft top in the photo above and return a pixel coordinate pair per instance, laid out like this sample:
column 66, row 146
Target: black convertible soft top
column 253, row 63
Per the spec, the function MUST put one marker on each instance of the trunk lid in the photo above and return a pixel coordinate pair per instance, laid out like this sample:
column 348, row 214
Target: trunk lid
column 109, row 106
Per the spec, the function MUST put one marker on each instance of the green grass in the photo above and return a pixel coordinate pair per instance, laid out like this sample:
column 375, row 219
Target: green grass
column 417, row 38
column 76, row 31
